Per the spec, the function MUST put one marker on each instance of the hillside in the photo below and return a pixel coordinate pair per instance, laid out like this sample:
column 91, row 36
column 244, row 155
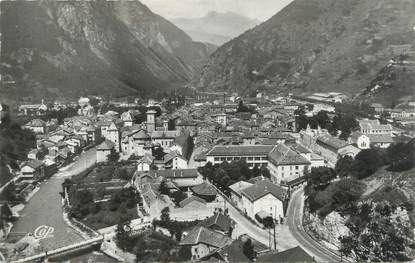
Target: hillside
column 315, row 45
column 71, row 48
column 394, row 83
column 215, row 28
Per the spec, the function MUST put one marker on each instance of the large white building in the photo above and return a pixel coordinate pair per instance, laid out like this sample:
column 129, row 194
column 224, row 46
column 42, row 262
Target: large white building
column 260, row 197
column 252, row 154
column 286, row 165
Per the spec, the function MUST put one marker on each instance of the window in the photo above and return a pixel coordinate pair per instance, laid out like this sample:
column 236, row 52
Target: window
column 296, row 167
column 257, row 158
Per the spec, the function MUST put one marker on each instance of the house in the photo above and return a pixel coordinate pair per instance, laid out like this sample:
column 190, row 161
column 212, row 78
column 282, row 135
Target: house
column 200, row 160
column 127, row 119
column 219, row 223
column 374, row 127
column 50, row 167
column 113, row 134
column 263, row 196
column 221, row 119
column 252, row 154
column 33, row 109
column 34, row 154
column 366, row 141
column 203, row 241
column 144, row 164
column 36, row 125
column 377, row 107
column 287, row 165
column 32, row 170
column 180, row 177
column 174, row 161
column 103, row 150
column 236, row 190
column 332, row 148
column 205, row 191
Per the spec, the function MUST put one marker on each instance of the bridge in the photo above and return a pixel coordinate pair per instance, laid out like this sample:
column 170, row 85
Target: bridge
column 59, row 251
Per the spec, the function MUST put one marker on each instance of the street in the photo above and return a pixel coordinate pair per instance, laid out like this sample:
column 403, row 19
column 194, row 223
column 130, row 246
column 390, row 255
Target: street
column 294, row 222
column 45, row 208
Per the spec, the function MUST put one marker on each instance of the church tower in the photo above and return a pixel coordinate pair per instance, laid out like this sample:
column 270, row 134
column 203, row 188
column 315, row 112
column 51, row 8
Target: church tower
column 151, row 121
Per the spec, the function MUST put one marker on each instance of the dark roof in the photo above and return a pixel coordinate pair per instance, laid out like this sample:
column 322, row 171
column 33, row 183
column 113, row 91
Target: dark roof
column 240, row 150
column 296, row 254
column 105, row 145
column 233, row 252
column 33, row 164
column 331, row 141
column 218, row 221
column 380, row 138
column 206, row 236
column 204, row 189
column 262, row 188
column 191, row 199
column 176, row 173
column 299, row 148
column 283, row 155
column 170, row 156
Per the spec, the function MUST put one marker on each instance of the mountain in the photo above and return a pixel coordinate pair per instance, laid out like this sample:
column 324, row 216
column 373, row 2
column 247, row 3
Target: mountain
column 216, row 28
column 71, row 48
column 394, row 83
column 315, row 45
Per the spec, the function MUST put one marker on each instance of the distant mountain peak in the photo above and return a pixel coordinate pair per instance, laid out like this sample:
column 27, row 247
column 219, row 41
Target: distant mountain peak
column 315, row 45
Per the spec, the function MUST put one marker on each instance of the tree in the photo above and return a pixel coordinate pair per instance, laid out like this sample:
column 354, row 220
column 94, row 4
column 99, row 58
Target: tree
column 256, row 171
column 265, row 172
column 165, row 214
column 113, row 157
column 366, row 163
column 163, row 189
column 140, row 248
column 123, row 235
column 185, row 253
column 248, row 249
column 158, row 153
column 344, row 166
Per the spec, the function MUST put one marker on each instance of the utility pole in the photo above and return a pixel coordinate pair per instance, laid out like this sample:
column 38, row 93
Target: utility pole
column 275, row 237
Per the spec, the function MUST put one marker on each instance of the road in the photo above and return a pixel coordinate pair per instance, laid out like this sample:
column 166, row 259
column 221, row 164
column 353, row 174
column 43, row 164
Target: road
column 294, row 222
column 45, row 207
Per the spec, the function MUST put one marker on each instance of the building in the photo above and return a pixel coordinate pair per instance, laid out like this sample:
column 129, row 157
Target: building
column 151, row 120
column 374, row 127
column 287, row 166
column 103, row 150
column 221, row 119
column 332, row 148
column 144, row 164
column 36, row 125
column 113, row 134
column 127, row 119
column 33, row 109
column 32, row 170
column 236, row 190
column 263, row 197
column 203, row 241
column 182, row 178
column 366, row 141
column 219, row 223
column 377, row 107
column 205, row 191
column 175, row 161
column 252, row 154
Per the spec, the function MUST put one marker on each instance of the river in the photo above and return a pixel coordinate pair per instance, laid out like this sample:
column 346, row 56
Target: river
column 45, row 208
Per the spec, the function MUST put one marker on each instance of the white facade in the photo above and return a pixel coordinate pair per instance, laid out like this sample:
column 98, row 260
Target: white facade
column 102, row 155
column 286, row 173
column 363, row 142
column 268, row 203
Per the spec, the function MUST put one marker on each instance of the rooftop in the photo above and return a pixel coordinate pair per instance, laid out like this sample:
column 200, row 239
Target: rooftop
column 105, row 145
column 261, row 189
column 191, row 199
column 332, row 141
column 283, row 155
column 240, row 150
column 218, row 222
column 206, row 236
column 204, row 189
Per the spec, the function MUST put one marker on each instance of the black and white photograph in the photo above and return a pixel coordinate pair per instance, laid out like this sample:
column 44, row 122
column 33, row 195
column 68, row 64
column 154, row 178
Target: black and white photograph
column 230, row 131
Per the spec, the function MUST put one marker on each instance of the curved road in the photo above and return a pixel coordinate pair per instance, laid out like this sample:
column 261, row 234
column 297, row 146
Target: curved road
column 294, row 221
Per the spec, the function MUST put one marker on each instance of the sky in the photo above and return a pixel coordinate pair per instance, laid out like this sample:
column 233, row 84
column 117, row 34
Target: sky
column 256, row 9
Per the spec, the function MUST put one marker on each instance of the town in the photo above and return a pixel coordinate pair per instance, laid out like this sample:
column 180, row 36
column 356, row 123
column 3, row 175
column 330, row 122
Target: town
column 204, row 176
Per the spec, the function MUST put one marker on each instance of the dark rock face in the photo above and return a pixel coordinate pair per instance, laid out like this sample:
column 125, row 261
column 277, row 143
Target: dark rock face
column 72, row 48
column 315, row 45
